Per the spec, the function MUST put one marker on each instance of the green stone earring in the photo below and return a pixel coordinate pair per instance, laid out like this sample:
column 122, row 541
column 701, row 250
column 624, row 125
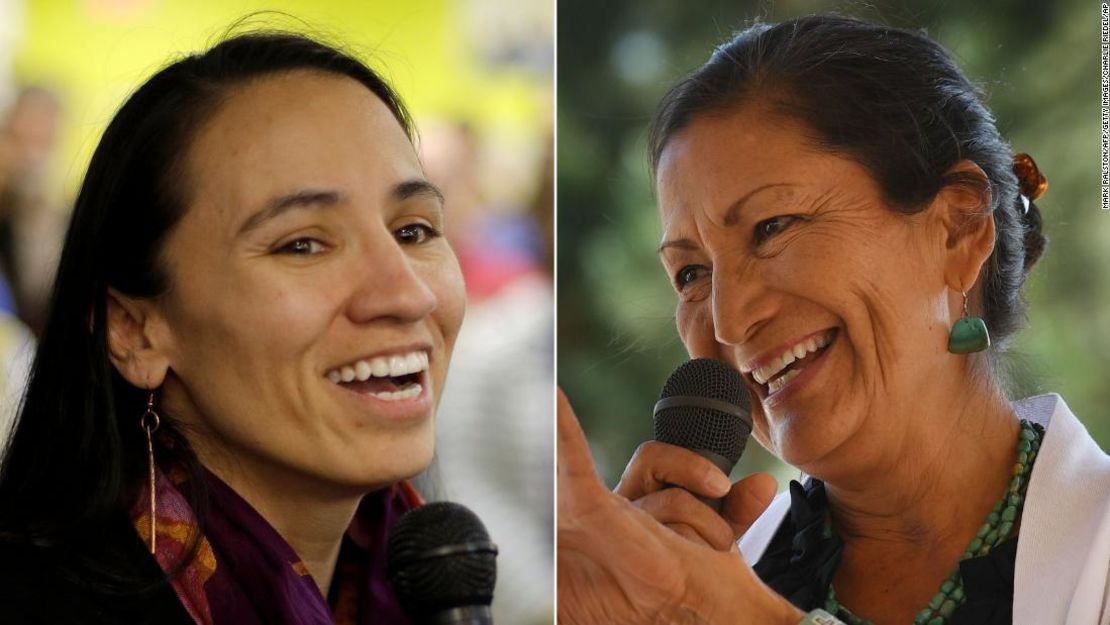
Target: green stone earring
column 969, row 335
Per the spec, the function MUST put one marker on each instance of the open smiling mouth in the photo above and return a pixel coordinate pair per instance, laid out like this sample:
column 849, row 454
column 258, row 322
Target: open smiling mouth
column 773, row 376
column 390, row 378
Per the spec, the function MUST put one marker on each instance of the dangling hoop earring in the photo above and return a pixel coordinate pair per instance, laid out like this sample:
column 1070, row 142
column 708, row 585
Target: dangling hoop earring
column 969, row 335
column 150, row 422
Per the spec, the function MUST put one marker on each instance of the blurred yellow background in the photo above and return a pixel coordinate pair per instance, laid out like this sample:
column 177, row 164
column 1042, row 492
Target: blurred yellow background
column 468, row 61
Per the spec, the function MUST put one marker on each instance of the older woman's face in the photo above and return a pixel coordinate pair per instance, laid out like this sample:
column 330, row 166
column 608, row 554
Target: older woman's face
column 776, row 248
column 310, row 253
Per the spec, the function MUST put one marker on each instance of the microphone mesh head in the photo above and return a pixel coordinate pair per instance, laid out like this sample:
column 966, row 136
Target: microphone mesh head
column 700, row 427
column 428, row 580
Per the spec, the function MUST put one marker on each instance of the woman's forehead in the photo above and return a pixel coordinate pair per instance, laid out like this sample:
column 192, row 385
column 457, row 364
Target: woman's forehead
column 718, row 161
column 298, row 128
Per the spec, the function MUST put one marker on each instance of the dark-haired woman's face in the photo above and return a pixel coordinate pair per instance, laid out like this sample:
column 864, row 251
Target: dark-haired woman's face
column 789, row 266
column 313, row 303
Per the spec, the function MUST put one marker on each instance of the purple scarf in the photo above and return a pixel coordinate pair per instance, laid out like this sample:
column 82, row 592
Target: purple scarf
column 245, row 573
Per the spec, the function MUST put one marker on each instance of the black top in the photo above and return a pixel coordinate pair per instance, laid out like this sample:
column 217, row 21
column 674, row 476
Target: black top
column 800, row 561
column 50, row 586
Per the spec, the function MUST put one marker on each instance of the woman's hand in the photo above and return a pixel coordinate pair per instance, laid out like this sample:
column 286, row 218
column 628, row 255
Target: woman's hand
column 656, row 466
column 619, row 566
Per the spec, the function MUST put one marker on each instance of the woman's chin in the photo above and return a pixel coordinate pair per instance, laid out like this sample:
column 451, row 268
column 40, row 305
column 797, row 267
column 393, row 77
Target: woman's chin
column 800, row 444
column 403, row 458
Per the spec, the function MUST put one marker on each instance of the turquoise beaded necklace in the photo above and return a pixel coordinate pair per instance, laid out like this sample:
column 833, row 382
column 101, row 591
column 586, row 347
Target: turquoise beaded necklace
column 995, row 529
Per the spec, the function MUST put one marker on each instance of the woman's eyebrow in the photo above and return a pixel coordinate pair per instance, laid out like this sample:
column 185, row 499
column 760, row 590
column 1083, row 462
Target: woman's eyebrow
column 733, row 212
column 682, row 244
column 731, row 215
column 416, row 187
column 305, row 198
column 315, row 198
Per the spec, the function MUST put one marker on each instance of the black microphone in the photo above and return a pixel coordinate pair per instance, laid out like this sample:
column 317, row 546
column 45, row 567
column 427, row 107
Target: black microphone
column 705, row 408
column 442, row 565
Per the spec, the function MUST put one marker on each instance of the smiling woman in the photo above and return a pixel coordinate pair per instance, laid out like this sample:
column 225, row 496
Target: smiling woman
column 843, row 223
column 257, row 260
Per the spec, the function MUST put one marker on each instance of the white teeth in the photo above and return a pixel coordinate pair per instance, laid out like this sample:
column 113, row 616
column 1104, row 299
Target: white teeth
column 362, row 370
column 396, row 363
column 408, row 392
column 380, row 367
column 781, row 381
column 796, row 352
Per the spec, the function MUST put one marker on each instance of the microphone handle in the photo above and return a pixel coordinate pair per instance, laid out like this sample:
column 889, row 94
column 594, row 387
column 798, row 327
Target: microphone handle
column 462, row 615
column 722, row 463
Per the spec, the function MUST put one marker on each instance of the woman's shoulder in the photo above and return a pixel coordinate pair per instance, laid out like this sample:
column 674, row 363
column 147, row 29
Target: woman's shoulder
column 1068, row 450
column 32, row 586
column 64, row 584
column 1064, row 543
column 1070, row 482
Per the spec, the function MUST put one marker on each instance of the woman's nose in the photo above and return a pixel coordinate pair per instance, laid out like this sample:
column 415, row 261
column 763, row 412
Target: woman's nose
column 741, row 305
column 391, row 284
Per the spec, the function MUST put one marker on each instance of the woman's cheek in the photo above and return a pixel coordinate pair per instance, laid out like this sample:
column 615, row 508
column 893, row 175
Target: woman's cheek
column 760, row 429
column 446, row 281
column 694, row 320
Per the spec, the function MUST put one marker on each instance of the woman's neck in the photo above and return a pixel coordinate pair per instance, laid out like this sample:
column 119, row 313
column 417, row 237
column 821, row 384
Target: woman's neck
column 937, row 482
column 908, row 514
column 309, row 517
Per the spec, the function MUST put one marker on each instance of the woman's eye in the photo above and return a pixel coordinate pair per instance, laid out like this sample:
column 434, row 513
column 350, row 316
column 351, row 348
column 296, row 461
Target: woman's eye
column 415, row 234
column 302, row 247
column 689, row 274
column 770, row 227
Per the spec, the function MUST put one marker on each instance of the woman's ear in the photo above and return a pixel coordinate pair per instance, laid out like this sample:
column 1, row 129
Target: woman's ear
column 131, row 345
column 963, row 207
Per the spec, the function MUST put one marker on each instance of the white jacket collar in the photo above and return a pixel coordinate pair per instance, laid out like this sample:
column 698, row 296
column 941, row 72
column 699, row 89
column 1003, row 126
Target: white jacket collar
column 1064, row 546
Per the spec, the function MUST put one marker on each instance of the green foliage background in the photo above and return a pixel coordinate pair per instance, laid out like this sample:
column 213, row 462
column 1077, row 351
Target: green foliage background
column 1038, row 62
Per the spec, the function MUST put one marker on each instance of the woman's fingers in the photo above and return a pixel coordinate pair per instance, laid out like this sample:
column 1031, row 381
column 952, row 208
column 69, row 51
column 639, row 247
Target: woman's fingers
column 613, row 566
column 683, row 513
column 656, row 466
column 688, row 533
column 746, row 500
column 619, row 566
column 577, row 478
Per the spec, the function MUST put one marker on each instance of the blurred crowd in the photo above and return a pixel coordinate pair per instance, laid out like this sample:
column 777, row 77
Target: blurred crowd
column 30, row 233
column 494, row 425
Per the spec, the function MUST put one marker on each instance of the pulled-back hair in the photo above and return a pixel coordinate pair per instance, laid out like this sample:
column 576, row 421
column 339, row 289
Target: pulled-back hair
column 892, row 100
column 76, row 458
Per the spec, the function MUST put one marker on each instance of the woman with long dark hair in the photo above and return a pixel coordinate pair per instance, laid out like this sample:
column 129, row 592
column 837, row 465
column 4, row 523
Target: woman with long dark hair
column 250, row 328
